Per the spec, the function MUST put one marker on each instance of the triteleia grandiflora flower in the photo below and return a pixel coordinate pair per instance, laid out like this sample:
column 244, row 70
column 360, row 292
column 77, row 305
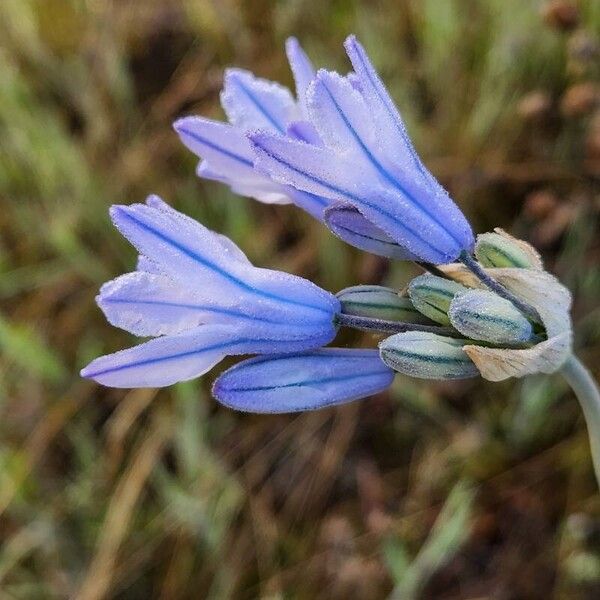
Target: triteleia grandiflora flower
column 341, row 152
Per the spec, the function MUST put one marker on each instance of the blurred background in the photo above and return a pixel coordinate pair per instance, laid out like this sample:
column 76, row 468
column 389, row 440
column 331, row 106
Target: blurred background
column 434, row 490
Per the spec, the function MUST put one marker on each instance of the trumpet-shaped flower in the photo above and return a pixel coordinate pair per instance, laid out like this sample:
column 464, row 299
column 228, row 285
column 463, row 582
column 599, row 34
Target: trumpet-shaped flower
column 227, row 156
column 367, row 160
column 200, row 297
column 252, row 103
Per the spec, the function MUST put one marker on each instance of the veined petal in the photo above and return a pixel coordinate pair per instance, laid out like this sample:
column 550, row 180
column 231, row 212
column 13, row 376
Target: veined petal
column 145, row 265
column 348, row 224
column 302, row 69
column 253, row 103
column 260, row 187
column 328, row 174
column 230, row 248
column 167, row 360
column 341, row 116
column 146, row 304
column 189, row 254
column 383, row 110
column 309, row 381
column 345, row 123
column 304, row 131
column 305, row 166
column 224, row 146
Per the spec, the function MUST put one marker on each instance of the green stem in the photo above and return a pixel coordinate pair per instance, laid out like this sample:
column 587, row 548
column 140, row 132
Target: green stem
column 586, row 390
column 383, row 326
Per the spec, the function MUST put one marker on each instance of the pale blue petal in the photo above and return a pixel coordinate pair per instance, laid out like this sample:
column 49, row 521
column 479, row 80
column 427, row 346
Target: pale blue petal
column 260, row 187
column 189, row 254
column 348, row 224
column 328, row 174
column 231, row 250
column 253, row 103
column 145, row 265
column 307, row 167
column 224, row 146
column 146, row 304
column 302, row 69
column 341, row 117
column 344, row 122
column 167, row 360
column 383, row 110
column 309, row 381
column 304, row 131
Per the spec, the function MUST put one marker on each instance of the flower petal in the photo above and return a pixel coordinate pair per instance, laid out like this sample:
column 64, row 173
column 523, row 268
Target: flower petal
column 169, row 359
column 348, row 224
column 189, row 254
column 304, row 382
column 253, row 103
column 302, row 69
column 325, row 173
column 145, row 265
column 341, row 116
column 147, row 304
column 383, row 110
column 162, row 361
column 344, row 122
column 224, row 146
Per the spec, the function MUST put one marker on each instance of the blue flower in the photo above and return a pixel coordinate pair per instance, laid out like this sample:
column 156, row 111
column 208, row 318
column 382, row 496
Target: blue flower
column 252, row 103
column 307, row 381
column 201, row 299
column 366, row 160
column 227, row 156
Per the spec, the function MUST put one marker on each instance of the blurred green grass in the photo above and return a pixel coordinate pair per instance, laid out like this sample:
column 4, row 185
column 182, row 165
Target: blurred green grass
column 441, row 490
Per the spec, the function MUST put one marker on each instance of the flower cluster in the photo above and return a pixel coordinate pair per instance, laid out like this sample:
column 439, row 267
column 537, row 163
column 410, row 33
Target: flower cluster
column 340, row 151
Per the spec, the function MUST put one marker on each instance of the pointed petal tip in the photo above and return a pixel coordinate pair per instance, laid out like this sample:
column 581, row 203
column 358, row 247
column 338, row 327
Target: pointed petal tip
column 292, row 43
column 351, row 42
column 155, row 201
column 182, row 123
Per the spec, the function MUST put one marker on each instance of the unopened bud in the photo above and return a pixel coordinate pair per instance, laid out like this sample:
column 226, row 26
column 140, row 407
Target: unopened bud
column 427, row 356
column 482, row 315
column 378, row 302
column 431, row 295
column 501, row 250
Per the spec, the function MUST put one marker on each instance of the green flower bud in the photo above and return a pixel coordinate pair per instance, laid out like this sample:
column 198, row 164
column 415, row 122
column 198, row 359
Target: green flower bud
column 427, row 356
column 482, row 315
column 502, row 250
column 431, row 295
column 378, row 302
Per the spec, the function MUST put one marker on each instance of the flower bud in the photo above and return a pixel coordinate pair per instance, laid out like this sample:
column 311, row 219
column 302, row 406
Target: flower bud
column 431, row 295
column 427, row 356
column 501, row 250
column 378, row 302
column 482, row 315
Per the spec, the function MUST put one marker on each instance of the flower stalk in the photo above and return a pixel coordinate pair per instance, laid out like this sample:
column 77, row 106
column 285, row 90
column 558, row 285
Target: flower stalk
column 384, row 326
column 498, row 288
column 584, row 387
